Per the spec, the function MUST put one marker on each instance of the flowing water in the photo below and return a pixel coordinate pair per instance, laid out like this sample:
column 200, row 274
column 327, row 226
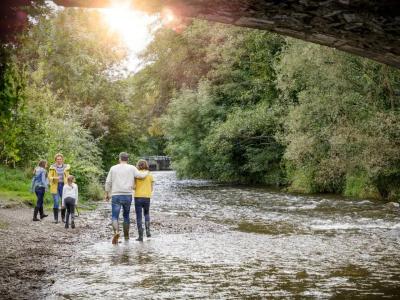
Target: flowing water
column 266, row 244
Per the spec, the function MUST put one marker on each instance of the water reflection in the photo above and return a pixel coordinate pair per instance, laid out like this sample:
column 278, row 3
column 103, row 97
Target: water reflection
column 270, row 245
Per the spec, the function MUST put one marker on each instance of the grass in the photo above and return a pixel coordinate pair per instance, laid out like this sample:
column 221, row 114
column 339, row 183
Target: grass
column 15, row 187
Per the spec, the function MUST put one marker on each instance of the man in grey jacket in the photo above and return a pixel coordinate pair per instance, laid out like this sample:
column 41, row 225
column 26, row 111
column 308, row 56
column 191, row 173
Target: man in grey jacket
column 119, row 185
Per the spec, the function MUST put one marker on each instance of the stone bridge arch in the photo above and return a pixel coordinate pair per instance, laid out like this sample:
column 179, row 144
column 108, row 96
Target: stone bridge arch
column 363, row 27
column 367, row 28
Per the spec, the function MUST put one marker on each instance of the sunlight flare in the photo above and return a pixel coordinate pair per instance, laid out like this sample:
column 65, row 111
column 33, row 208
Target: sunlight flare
column 133, row 26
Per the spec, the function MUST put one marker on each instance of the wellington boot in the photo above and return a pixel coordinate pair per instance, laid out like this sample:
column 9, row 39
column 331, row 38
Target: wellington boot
column 35, row 213
column 147, row 226
column 63, row 214
column 72, row 224
column 126, row 231
column 140, row 232
column 116, row 232
column 42, row 215
column 66, row 225
column 55, row 212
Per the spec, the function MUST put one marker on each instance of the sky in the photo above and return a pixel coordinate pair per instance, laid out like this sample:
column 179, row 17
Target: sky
column 135, row 28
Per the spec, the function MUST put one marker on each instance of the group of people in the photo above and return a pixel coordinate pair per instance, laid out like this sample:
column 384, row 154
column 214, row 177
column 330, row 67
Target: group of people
column 63, row 189
column 123, row 182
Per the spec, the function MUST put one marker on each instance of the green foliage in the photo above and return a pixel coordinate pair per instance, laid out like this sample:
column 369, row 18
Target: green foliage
column 247, row 106
column 15, row 186
column 359, row 185
column 342, row 120
column 226, row 103
column 11, row 101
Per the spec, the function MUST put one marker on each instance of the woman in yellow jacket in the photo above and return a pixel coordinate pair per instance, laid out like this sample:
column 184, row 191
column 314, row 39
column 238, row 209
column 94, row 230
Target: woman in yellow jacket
column 58, row 174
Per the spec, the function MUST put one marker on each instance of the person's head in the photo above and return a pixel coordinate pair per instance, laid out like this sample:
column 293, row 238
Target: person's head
column 142, row 165
column 42, row 163
column 70, row 179
column 123, row 157
column 59, row 159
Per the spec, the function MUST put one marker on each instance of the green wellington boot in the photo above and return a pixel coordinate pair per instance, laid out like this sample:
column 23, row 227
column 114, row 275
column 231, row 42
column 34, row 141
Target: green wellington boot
column 116, row 232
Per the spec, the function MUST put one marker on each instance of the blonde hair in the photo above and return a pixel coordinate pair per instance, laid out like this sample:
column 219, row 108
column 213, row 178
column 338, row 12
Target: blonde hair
column 58, row 155
column 70, row 179
column 142, row 164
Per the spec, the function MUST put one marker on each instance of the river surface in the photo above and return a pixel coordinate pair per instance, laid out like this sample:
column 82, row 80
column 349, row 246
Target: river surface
column 265, row 245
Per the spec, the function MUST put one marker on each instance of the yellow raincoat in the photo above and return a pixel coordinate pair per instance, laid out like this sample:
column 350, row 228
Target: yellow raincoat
column 53, row 177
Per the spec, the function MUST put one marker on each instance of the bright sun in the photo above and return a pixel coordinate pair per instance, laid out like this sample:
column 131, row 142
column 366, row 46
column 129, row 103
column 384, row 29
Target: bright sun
column 133, row 26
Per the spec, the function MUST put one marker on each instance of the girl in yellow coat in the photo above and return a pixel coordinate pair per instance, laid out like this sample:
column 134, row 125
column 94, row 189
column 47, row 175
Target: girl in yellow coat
column 143, row 191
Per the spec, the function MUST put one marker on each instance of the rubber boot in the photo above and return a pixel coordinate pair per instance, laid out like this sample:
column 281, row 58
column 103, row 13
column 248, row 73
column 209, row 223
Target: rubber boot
column 140, row 232
column 73, row 219
column 42, row 215
column 67, row 221
column 147, row 226
column 126, row 231
column 116, row 232
column 35, row 213
column 63, row 214
column 55, row 212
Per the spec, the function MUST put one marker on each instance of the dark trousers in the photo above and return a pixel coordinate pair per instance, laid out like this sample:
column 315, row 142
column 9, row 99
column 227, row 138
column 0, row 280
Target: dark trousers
column 39, row 191
column 70, row 206
column 142, row 204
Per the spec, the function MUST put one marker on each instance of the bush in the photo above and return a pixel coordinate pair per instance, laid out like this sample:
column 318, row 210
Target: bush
column 360, row 186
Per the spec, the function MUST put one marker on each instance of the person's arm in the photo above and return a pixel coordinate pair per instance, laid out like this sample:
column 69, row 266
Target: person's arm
column 63, row 196
column 43, row 179
column 108, row 186
column 53, row 178
column 138, row 174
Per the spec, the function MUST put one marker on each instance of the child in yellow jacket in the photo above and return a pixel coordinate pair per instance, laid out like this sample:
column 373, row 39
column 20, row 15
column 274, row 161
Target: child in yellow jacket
column 143, row 192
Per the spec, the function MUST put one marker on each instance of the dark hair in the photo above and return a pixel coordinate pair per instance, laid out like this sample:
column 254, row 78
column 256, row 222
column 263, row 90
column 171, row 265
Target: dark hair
column 124, row 156
column 42, row 163
column 142, row 165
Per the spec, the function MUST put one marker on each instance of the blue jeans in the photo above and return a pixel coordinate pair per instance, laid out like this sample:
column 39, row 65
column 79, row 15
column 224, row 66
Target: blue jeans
column 116, row 202
column 142, row 204
column 57, row 197
column 39, row 191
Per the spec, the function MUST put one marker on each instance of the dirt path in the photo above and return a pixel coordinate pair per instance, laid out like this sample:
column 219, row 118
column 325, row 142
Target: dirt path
column 32, row 253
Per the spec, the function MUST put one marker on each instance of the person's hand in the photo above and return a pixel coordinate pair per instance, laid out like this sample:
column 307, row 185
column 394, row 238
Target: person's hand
column 62, row 207
column 106, row 197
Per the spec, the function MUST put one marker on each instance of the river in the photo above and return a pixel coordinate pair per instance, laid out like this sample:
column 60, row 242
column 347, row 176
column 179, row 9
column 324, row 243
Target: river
column 256, row 244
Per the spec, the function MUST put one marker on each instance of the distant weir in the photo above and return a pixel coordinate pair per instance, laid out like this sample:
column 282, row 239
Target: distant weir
column 158, row 163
